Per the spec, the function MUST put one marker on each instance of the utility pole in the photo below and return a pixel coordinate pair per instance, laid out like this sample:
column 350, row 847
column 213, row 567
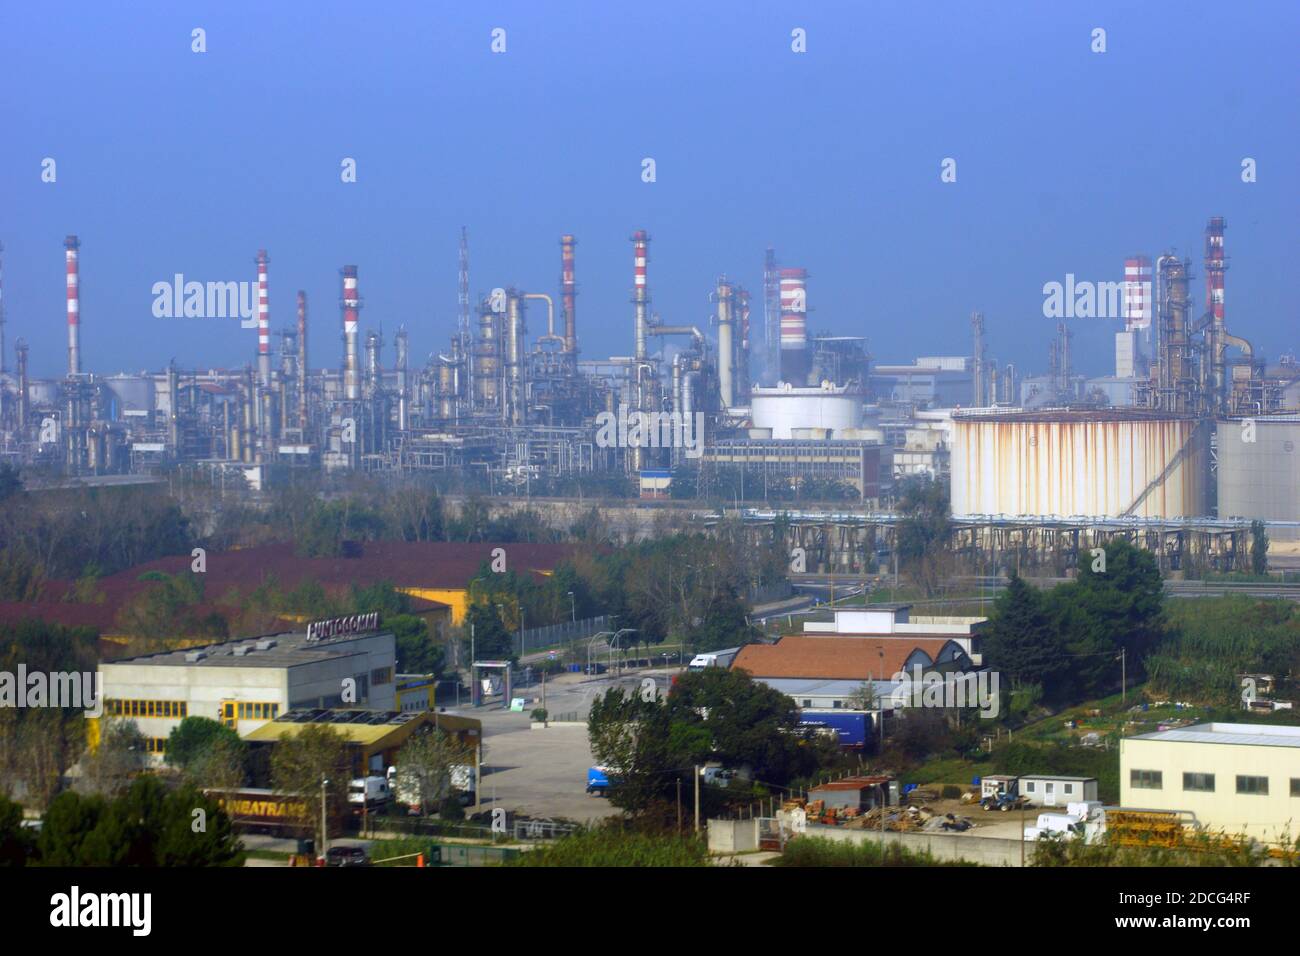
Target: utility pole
column 697, row 798
column 1123, row 676
column 324, row 821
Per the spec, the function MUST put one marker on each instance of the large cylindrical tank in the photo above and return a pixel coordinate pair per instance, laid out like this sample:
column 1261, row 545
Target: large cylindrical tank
column 131, row 393
column 44, row 394
column 1097, row 463
column 1259, row 470
column 785, row 408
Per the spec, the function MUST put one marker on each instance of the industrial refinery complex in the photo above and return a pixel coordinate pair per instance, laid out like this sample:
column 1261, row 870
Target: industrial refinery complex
column 1194, row 432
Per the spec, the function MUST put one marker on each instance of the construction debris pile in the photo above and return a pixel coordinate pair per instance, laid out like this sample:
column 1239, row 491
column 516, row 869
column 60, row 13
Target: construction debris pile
column 896, row 819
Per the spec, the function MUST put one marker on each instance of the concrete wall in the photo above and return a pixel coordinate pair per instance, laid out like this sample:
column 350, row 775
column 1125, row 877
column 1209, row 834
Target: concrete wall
column 987, row 851
column 739, row 836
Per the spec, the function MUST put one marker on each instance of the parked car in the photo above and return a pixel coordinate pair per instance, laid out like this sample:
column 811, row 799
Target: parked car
column 347, row 856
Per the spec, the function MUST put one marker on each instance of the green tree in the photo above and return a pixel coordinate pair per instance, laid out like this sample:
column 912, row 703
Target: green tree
column 1258, row 548
column 739, row 722
column 1022, row 644
column 69, row 819
column 119, row 758
column 144, row 826
column 417, row 652
column 301, row 762
column 16, row 841
column 207, row 753
column 425, row 763
column 632, row 736
column 925, row 531
column 491, row 639
column 1104, row 612
column 196, row 832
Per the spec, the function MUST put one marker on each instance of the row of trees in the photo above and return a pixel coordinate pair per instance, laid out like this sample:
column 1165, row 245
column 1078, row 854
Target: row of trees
column 147, row 825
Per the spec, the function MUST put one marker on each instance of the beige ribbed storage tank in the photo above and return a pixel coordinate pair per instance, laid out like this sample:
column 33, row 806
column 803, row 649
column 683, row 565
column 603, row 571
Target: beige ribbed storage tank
column 1098, row 463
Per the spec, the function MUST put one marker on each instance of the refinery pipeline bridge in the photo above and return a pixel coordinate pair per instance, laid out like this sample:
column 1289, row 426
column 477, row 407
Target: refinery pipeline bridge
column 842, row 587
column 846, row 542
column 839, row 542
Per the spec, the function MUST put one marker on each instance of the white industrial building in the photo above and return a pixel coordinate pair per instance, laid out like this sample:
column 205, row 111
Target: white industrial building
column 895, row 620
column 246, row 683
column 1235, row 778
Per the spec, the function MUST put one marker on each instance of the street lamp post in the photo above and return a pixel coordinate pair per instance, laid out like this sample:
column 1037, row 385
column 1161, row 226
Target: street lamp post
column 573, row 608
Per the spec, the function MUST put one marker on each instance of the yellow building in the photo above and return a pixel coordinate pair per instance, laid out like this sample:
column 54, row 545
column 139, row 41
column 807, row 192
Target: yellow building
column 1236, row 778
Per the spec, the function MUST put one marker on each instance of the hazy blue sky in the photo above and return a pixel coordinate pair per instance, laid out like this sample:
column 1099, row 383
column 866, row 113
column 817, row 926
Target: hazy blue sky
column 171, row 161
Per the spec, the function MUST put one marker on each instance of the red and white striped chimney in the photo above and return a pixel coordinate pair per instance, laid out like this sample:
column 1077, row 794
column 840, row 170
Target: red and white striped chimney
column 351, row 303
column 71, row 245
column 1137, row 293
column 263, row 322
column 794, row 326
column 640, row 292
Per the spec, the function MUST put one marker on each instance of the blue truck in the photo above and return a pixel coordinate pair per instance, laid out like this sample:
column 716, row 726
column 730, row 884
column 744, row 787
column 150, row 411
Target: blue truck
column 850, row 727
column 600, row 780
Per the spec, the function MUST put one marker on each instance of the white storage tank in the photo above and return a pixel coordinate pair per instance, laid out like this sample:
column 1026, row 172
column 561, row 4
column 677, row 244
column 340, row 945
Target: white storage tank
column 783, row 409
column 1259, row 471
column 1095, row 463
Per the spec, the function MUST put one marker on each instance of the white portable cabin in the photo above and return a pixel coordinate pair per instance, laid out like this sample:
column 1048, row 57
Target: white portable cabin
column 1055, row 790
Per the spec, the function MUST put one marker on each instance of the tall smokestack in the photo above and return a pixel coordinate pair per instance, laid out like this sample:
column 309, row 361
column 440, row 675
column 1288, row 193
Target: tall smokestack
column 71, row 245
column 20, row 360
column 568, row 293
column 771, row 316
column 979, row 397
column 794, row 326
column 743, row 381
column 403, row 391
column 263, row 323
column 1137, row 293
column 1215, row 266
column 351, row 303
column 302, row 360
column 640, row 294
column 726, row 344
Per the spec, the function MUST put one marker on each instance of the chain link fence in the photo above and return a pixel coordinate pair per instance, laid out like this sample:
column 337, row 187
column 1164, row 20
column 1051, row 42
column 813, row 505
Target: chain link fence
column 557, row 636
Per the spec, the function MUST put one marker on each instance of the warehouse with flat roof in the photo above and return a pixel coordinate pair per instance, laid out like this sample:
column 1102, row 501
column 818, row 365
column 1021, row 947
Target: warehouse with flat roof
column 247, row 683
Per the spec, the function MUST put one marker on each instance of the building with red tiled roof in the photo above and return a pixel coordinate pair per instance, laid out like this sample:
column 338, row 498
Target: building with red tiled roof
column 845, row 658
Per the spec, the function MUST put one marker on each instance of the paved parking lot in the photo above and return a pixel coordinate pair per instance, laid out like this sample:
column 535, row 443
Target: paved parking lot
column 543, row 773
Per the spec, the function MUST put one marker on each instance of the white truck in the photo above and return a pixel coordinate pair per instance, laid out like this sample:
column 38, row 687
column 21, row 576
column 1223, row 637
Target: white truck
column 1083, row 820
column 721, row 659
column 368, row 793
